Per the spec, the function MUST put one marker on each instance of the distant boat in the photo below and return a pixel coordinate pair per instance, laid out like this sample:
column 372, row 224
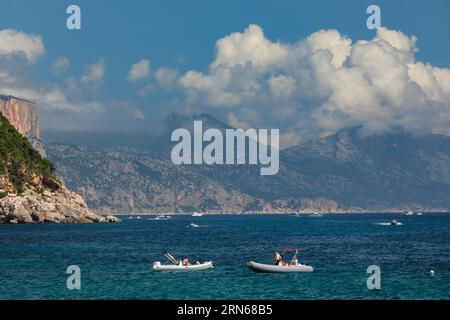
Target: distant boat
column 138, row 217
column 419, row 213
column 163, row 217
column 316, row 214
column 130, row 217
column 394, row 222
column 197, row 214
column 193, row 225
column 296, row 214
column 409, row 213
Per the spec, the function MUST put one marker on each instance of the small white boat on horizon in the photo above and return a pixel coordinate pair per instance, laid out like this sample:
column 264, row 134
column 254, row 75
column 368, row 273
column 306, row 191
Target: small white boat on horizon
column 316, row 214
column 163, row 217
column 193, row 225
column 409, row 213
column 419, row 213
column 197, row 214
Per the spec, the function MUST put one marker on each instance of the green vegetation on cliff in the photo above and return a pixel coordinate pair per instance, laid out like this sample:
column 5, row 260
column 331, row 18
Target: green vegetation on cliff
column 18, row 159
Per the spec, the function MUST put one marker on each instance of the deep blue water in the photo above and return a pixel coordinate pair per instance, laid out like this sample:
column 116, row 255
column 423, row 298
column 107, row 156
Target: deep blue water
column 116, row 259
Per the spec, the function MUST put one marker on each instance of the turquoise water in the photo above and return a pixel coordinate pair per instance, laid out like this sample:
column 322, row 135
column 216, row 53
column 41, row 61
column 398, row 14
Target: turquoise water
column 116, row 259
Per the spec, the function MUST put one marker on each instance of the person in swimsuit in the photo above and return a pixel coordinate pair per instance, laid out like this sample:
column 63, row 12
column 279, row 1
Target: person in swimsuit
column 278, row 258
column 186, row 262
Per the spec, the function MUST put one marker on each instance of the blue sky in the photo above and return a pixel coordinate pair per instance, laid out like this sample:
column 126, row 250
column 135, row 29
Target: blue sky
column 182, row 35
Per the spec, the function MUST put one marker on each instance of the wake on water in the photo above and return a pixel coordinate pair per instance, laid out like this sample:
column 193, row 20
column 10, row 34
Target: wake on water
column 387, row 223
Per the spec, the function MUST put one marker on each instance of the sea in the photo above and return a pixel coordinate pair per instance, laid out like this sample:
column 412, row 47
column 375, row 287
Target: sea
column 115, row 260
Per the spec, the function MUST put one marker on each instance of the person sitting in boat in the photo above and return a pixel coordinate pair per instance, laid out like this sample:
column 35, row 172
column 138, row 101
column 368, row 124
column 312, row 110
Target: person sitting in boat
column 186, row 262
column 294, row 261
column 278, row 258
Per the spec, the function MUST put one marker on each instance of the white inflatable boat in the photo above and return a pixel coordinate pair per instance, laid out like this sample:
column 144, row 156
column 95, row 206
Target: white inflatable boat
column 157, row 266
column 178, row 266
column 272, row 268
column 293, row 266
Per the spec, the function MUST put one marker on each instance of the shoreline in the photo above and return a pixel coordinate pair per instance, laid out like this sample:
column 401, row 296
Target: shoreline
column 268, row 213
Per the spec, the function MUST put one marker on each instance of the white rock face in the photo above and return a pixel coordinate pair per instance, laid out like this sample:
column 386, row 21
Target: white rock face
column 23, row 115
column 60, row 206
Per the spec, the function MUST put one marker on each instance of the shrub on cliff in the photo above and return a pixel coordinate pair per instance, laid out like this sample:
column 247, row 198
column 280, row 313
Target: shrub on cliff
column 18, row 159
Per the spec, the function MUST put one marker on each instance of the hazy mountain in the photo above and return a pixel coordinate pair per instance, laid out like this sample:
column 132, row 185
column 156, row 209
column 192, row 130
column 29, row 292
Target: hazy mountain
column 342, row 172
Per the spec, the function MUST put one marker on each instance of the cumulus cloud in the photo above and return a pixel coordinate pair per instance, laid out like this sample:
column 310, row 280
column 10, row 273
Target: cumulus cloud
column 322, row 84
column 94, row 73
column 138, row 114
column 166, row 77
column 14, row 43
column 49, row 96
column 60, row 65
column 68, row 105
column 139, row 71
column 249, row 46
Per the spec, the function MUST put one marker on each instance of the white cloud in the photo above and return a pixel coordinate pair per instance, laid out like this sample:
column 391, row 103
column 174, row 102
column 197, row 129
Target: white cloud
column 14, row 42
column 322, row 84
column 144, row 91
column 94, row 73
column 252, row 47
column 166, row 77
column 49, row 96
column 139, row 71
column 138, row 114
column 5, row 77
column 66, row 105
column 281, row 86
column 234, row 121
column 60, row 65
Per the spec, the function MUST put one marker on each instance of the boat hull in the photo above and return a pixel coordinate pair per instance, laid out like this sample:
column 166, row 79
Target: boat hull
column 157, row 266
column 268, row 268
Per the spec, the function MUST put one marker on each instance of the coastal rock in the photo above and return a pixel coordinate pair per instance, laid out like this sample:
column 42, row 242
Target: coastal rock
column 30, row 191
column 112, row 219
column 62, row 206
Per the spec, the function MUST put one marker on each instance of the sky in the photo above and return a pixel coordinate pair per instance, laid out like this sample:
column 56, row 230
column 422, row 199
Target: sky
column 250, row 63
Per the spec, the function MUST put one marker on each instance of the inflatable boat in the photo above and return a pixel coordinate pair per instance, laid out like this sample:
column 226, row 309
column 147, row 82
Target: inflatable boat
column 177, row 265
column 272, row 268
column 157, row 266
column 280, row 266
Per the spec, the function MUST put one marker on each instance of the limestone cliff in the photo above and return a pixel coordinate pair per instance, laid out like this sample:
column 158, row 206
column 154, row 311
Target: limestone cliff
column 23, row 115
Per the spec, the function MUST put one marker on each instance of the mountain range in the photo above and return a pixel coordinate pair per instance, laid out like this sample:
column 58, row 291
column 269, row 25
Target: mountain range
column 343, row 172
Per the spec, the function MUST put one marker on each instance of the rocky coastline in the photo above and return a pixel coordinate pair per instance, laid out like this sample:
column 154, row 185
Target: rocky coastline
column 30, row 190
column 40, row 205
